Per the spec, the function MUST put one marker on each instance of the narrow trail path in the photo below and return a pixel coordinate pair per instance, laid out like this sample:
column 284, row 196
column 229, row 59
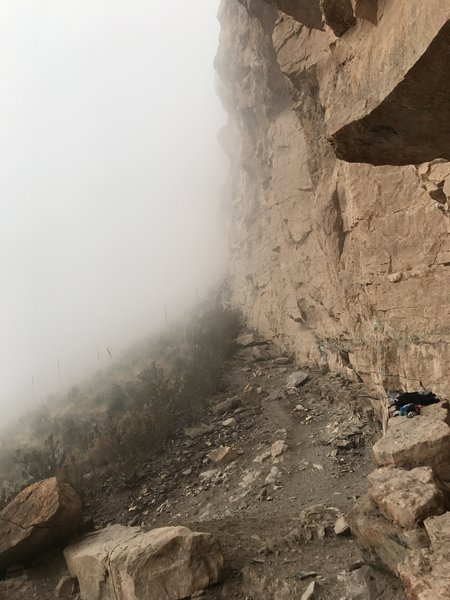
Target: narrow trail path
column 273, row 515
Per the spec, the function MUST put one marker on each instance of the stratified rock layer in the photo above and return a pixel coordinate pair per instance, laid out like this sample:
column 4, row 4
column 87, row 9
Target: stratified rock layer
column 346, row 264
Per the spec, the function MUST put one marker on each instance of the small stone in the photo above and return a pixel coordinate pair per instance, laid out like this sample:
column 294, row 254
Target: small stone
column 209, row 475
column 283, row 360
column 305, row 575
column 67, row 587
column 229, row 422
column 296, row 379
column 318, row 467
column 278, row 448
column 395, row 277
column 187, row 472
column 262, row 457
column 341, row 527
column 223, row 455
column 246, row 340
column 273, row 476
column 310, row 591
column 299, row 408
column 226, row 405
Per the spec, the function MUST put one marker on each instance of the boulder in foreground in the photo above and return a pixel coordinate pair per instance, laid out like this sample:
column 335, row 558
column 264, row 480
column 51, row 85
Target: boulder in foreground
column 42, row 514
column 128, row 563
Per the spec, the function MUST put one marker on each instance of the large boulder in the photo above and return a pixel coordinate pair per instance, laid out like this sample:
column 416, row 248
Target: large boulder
column 422, row 441
column 42, row 514
column 407, row 497
column 128, row 563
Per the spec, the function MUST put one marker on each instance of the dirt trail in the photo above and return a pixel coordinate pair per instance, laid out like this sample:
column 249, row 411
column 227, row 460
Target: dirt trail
column 274, row 518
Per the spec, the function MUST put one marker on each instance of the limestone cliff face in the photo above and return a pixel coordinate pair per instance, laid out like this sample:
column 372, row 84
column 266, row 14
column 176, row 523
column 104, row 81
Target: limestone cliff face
column 344, row 262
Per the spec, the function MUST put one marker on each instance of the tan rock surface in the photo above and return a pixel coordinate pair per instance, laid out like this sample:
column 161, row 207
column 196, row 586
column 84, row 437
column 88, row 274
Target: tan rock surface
column 336, row 259
column 425, row 573
column 377, row 535
column 223, row 455
column 128, row 563
column 43, row 514
column 407, row 497
column 422, row 441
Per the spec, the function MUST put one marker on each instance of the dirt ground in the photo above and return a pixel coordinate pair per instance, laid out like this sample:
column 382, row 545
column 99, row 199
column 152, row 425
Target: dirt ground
column 274, row 517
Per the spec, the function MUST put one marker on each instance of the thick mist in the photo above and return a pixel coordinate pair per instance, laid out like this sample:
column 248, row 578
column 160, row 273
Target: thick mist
column 109, row 181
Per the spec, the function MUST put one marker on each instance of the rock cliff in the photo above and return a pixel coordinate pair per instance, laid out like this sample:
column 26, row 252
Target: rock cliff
column 338, row 194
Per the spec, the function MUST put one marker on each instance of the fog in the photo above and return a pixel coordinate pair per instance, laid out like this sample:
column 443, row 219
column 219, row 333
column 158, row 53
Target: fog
column 109, row 181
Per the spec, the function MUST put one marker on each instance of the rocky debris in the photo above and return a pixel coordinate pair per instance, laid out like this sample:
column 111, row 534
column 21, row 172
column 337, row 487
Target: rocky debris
column 296, row 379
column 278, row 448
column 314, row 523
column 225, row 406
column 223, row 455
column 283, row 360
column 360, row 584
column 42, row 515
column 274, row 476
column 229, row 422
column 341, row 527
column 262, row 353
column 262, row 586
column 199, row 430
column 423, row 441
column 407, row 497
column 262, row 457
column 169, row 563
column 210, row 475
column 247, row 340
column 67, row 587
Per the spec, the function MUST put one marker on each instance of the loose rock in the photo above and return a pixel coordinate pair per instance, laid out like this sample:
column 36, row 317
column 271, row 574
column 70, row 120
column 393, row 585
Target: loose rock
column 223, row 455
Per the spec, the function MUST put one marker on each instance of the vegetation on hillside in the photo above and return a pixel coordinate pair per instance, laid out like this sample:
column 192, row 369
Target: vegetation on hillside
column 124, row 416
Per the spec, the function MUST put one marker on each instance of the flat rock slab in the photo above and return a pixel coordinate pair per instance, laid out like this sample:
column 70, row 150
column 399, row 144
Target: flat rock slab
column 296, row 379
column 422, row 441
column 128, row 563
column 42, row 514
column 407, row 497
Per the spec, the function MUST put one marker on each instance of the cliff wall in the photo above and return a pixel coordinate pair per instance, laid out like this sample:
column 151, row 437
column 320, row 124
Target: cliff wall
column 338, row 229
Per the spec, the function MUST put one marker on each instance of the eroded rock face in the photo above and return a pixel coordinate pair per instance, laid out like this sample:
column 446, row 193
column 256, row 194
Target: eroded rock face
column 424, row 572
column 346, row 264
column 43, row 514
column 407, row 497
column 128, row 563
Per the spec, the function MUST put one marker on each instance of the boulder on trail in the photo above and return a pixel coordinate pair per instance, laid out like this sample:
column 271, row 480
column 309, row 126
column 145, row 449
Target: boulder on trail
column 43, row 514
column 128, row 563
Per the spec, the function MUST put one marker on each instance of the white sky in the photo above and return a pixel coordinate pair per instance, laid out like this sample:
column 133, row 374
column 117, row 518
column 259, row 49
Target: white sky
column 110, row 178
